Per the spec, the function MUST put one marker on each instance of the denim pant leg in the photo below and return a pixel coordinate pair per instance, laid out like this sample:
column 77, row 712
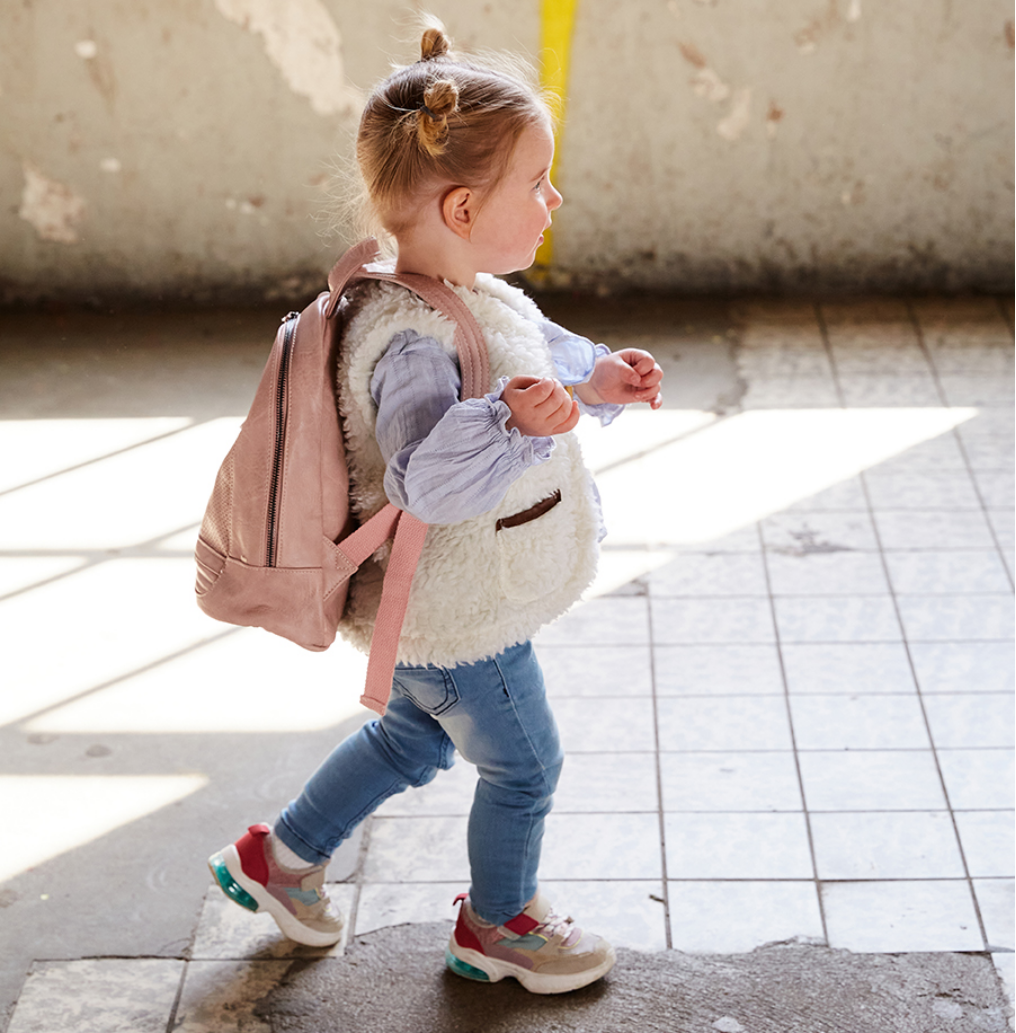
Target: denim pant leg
column 405, row 748
column 502, row 723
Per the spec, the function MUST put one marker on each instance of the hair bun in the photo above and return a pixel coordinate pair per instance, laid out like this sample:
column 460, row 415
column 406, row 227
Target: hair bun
column 434, row 44
column 440, row 100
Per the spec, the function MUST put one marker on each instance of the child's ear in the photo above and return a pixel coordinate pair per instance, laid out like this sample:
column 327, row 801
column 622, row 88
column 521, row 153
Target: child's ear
column 458, row 211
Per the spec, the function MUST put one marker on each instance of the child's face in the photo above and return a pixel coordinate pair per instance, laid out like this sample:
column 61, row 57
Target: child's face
column 510, row 224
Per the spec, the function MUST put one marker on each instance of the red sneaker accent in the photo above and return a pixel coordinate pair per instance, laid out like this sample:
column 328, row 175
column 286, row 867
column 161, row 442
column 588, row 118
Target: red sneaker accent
column 251, row 848
column 521, row 924
column 464, row 936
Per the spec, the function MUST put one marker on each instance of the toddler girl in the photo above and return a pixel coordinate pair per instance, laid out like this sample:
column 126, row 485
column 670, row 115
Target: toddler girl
column 456, row 157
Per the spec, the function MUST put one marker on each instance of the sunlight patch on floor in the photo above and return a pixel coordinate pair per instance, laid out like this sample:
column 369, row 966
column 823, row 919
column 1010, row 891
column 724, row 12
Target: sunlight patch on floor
column 52, row 814
column 726, row 475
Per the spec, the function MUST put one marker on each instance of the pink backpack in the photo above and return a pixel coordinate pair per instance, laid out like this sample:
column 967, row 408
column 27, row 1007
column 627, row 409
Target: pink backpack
column 278, row 542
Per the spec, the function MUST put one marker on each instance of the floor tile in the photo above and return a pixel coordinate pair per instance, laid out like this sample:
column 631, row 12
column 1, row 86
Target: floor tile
column 942, row 572
column 931, row 529
column 609, row 725
column 227, row 931
column 978, row 778
column 793, row 392
column 583, row 846
column 996, row 899
column 224, row 996
column 957, row 617
column 430, row 849
column 997, row 422
column 976, row 389
column 694, row 621
column 600, row 622
column 856, row 618
column 727, row 724
column 845, row 495
column 970, row 720
column 938, row 453
column 718, row 670
column 738, row 846
column 988, row 842
column 894, row 917
column 833, row 573
column 871, row 780
column 1001, row 521
column 730, row 782
column 884, row 845
column 735, row 917
column 964, row 666
column 605, row 782
column 451, row 792
column 922, row 490
column 883, row 390
column 628, row 914
column 765, row 357
column 107, row 995
column 980, row 355
column 858, row 723
column 849, row 667
column 997, row 486
column 988, row 453
column 803, row 533
column 710, row 574
column 596, row 670
column 384, row 904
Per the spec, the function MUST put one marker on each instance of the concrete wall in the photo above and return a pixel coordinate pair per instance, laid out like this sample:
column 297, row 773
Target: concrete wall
column 182, row 148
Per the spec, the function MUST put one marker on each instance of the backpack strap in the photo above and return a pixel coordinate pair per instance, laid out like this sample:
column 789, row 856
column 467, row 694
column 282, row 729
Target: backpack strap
column 408, row 532
column 474, row 362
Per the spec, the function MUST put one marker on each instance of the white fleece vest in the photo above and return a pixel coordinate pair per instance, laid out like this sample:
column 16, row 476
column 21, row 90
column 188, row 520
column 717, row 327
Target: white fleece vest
column 477, row 589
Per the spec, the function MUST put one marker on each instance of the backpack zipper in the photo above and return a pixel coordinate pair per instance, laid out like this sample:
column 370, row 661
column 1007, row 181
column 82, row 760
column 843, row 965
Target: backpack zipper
column 281, row 390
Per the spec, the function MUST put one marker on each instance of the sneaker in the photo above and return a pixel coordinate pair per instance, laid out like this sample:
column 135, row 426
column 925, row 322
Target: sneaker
column 248, row 873
column 547, row 954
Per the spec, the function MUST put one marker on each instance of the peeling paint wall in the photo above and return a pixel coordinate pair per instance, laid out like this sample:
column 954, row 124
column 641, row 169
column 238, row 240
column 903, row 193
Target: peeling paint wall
column 183, row 148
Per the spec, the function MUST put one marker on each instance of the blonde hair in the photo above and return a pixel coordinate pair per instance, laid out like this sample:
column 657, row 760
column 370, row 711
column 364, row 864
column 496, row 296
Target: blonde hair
column 443, row 121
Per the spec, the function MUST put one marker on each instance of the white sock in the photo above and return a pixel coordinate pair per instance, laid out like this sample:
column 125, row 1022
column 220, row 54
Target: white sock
column 288, row 858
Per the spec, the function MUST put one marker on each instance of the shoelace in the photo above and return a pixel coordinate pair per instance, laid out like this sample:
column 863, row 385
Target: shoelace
column 554, row 924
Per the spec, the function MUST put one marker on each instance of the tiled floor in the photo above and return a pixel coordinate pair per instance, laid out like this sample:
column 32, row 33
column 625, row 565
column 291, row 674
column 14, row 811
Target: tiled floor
column 788, row 708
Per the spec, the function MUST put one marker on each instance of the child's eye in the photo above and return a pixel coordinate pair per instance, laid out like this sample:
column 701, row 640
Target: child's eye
column 540, row 182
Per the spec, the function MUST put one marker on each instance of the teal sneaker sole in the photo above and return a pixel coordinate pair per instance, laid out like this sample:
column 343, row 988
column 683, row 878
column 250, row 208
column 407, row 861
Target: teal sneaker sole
column 229, row 885
column 460, row 968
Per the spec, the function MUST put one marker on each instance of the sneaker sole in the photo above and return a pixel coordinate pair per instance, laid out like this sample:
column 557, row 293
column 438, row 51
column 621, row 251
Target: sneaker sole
column 471, row 964
column 228, row 873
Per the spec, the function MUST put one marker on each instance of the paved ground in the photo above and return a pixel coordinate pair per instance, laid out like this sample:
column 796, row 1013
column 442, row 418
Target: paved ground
column 787, row 705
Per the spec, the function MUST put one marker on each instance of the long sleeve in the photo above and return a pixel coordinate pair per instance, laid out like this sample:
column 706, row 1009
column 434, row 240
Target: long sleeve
column 575, row 359
column 447, row 460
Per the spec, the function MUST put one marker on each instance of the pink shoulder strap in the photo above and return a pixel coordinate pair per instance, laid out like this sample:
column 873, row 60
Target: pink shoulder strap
column 409, row 532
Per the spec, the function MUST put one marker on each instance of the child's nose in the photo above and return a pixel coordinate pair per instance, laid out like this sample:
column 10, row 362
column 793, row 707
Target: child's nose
column 554, row 198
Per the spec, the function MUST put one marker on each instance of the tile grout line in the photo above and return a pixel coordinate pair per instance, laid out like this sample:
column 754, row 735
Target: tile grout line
column 660, row 809
column 815, row 881
column 178, row 998
column 944, row 399
column 899, row 618
column 358, row 882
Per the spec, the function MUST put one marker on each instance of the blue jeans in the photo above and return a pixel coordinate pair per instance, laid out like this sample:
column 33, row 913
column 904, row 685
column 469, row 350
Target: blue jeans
column 495, row 713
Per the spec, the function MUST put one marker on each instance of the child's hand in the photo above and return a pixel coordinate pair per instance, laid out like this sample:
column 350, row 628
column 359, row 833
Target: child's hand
column 630, row 375
column 539, row 408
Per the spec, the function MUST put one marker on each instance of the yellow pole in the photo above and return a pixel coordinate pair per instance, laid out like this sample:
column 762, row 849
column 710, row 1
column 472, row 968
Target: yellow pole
column 557, row 20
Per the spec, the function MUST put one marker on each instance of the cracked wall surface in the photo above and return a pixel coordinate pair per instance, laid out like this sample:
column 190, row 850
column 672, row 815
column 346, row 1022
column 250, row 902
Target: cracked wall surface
column 186, row 148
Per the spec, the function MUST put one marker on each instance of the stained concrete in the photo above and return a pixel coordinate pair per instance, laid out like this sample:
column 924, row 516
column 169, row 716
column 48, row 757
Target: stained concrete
column 392, row 981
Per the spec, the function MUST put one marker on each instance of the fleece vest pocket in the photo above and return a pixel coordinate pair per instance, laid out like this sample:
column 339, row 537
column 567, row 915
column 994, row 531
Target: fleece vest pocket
column 536, row 550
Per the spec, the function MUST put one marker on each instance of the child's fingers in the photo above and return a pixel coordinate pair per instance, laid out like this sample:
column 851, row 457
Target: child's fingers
column 569, row 418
